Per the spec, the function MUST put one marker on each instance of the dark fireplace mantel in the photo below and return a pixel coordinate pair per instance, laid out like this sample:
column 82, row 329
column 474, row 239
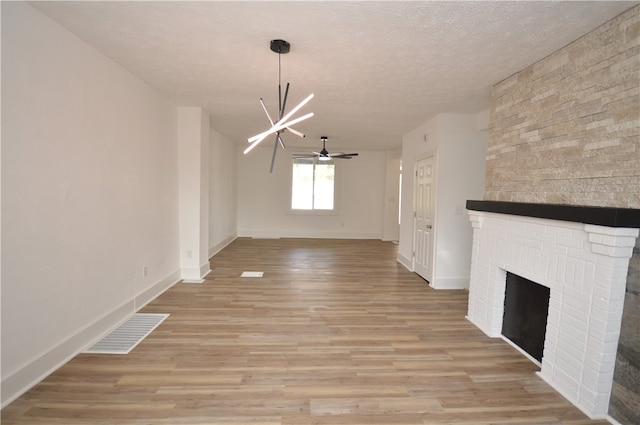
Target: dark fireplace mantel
column 602, row 216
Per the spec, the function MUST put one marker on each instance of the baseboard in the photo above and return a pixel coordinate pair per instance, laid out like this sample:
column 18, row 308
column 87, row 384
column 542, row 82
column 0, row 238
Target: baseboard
column 205, row 269
column 216, row 248
column 450, row 283
column 576, row 403
column 406, row 262
column 150, row 294
column 613, row 420
column 195, row 274
column 307, row 234
column 485, row 331
column 20, row 381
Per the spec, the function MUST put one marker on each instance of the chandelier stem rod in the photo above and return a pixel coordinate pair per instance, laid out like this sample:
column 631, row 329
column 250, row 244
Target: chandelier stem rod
column 280, row 108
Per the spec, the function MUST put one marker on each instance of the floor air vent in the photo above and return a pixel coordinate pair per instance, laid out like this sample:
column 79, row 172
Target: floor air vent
column 252, row 274
column 124, row 338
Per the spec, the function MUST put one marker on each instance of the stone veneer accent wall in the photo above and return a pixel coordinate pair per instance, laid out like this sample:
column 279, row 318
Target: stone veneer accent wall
column 625, row 393
column 566, row 130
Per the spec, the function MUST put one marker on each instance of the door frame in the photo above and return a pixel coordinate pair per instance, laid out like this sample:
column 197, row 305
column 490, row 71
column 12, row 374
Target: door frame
column 434, row 193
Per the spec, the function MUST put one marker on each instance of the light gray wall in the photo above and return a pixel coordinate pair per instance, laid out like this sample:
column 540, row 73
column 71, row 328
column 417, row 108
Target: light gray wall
column 263, row 198
column 90, row 196
column 222, row 192
column 459, row 147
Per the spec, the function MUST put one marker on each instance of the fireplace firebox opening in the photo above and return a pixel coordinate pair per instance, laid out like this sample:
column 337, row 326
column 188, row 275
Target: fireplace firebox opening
column 526, row 307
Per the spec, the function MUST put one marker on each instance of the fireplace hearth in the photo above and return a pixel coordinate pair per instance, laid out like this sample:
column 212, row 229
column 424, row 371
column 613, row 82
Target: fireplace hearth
column 581, row 254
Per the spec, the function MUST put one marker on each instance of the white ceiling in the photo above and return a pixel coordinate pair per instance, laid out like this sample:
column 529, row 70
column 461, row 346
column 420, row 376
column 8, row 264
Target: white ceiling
column 378, row 69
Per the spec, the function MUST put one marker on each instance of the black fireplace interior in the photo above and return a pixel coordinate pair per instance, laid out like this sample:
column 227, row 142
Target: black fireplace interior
column 526, row 306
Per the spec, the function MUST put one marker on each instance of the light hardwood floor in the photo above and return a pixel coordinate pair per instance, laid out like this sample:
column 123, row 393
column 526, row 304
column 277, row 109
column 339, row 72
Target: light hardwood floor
column 336, row 332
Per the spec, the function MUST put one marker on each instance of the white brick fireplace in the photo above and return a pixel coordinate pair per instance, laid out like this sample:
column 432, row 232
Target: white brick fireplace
column 585, row 268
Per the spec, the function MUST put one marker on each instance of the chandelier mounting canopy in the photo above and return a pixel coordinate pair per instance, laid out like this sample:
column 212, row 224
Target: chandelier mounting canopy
column 280, row 46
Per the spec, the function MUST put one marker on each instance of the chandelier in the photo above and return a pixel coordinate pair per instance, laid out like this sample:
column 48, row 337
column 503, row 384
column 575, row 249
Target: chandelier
column 284, row 121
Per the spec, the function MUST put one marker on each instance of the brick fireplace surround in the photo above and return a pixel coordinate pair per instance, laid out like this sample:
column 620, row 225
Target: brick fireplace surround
column 582, row 255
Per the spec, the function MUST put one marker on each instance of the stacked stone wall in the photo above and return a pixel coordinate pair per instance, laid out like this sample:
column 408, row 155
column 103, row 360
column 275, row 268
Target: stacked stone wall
column 566, row 130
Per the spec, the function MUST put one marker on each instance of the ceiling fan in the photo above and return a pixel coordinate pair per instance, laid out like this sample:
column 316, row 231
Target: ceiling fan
column 324, row 154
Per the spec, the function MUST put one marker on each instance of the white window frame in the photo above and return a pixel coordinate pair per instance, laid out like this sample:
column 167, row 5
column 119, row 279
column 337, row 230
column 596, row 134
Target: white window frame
column 336, row 196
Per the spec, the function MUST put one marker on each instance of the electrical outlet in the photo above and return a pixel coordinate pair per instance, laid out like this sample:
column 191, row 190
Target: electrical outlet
column 144, row 271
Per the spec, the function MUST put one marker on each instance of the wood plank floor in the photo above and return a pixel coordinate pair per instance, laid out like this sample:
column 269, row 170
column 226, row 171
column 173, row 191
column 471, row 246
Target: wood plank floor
column 336, row 332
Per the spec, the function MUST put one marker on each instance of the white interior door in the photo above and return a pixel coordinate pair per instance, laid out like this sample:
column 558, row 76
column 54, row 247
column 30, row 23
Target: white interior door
column 424, row 211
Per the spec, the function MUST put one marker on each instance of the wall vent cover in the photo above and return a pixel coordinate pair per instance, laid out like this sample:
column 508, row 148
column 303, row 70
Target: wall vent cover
column 125, row 337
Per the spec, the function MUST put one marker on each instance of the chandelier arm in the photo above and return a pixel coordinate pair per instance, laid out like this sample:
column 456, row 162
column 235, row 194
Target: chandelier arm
column 281, row 141
column 296, row 132
column 279, row 101
column 264, row 108
column 282, row 121
column 260, row 137
column 273, row 156
column 284, row 102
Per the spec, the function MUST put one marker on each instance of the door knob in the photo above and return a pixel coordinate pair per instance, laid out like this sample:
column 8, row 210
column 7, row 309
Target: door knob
column 428, row 226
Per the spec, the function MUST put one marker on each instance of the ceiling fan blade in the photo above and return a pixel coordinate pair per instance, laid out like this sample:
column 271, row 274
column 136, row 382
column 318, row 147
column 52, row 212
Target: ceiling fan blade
column 344, row 155
column 280, row 141
column 296, row 132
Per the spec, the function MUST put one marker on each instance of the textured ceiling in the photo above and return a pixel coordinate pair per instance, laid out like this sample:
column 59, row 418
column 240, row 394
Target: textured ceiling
column 378, row 69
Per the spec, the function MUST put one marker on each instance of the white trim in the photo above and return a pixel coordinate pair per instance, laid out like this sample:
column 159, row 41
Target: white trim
column 612, row 420
column 23, row 379
column 406, row 262
column 314, row 212
column 193, row 274
column 216, row 248
column 150, row 294
column 450, row 283
column 307, row 234
column 584, row 409
column 432, row 153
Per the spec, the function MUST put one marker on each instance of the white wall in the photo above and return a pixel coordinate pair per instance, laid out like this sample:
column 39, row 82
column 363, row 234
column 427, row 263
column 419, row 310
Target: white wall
column 193, row 166
column 460, row 150
column 263, row 198
column 89, row 195
column 461, row 171
column 391, row 226
column 222, row 192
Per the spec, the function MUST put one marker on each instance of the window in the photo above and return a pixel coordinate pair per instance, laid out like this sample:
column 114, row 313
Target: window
column 312, row 185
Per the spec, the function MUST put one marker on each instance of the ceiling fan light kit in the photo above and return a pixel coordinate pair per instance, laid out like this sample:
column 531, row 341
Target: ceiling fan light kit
column 284, row 123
